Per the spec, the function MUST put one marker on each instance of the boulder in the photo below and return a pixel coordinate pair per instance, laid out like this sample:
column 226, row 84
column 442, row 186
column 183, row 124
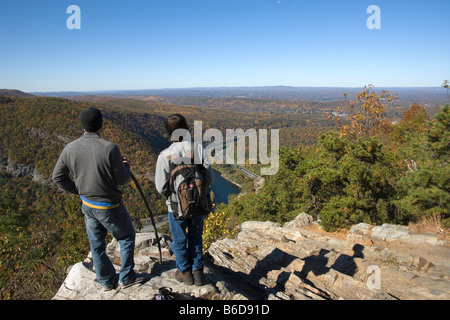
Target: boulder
column 303, row 219
column 362, row 229
column 390, row 232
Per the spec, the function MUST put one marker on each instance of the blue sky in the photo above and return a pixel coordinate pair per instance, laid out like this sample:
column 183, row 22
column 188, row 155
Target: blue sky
column 138, row 44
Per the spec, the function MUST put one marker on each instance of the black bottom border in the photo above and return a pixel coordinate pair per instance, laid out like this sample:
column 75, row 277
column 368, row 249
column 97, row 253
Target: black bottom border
column 227, row 309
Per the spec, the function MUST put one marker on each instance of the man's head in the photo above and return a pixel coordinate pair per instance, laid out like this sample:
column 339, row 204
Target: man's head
column 91, row 119
column 174, row 122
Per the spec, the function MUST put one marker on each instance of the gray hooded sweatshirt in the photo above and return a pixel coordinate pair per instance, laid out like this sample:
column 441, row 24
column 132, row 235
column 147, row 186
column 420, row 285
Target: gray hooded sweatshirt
column 179, row 150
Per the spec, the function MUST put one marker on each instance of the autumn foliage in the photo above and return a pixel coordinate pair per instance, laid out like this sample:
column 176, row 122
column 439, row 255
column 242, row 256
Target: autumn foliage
column 366, row 115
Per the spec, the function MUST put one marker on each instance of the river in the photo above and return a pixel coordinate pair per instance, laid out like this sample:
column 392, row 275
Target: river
column 222, row 188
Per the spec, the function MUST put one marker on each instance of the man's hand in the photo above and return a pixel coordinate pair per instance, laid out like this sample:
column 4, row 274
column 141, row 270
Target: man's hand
column 125, row 161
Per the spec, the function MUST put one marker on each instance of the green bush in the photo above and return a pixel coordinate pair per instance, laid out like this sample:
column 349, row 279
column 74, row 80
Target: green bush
column 425, row 188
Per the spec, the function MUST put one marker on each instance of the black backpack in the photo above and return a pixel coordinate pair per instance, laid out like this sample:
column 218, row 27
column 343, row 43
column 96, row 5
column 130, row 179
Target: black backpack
column 188, row 194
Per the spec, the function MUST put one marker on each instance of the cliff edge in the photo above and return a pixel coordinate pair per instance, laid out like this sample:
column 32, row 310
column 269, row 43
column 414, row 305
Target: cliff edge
column 290, row 262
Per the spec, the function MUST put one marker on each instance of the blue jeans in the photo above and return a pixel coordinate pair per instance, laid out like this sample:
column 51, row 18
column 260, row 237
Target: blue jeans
column 187, row 242
column 118, row 222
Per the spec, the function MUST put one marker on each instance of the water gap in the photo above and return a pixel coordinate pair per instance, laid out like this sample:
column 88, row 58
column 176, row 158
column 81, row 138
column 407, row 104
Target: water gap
column 222, row 188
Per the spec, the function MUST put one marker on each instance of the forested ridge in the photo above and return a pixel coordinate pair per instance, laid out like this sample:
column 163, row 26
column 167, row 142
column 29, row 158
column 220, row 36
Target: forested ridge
column 297, row 127
column 380, row 163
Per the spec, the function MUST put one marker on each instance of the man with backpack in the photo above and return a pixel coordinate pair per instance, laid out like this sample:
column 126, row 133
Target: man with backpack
column 183, row 175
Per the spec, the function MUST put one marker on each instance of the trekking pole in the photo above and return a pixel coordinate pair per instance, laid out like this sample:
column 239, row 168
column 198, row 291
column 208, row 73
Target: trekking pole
column 151, row 214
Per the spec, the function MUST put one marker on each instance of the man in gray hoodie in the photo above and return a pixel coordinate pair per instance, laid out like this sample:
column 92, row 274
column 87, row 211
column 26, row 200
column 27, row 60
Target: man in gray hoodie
column 98, row 168
column 186, row 233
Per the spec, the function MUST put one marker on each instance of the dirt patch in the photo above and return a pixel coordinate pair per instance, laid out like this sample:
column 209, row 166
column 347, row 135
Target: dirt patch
column 314, row 227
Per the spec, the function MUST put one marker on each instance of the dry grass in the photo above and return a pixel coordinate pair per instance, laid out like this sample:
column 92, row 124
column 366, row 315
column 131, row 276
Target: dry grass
column 341, row 234
column 431, row 224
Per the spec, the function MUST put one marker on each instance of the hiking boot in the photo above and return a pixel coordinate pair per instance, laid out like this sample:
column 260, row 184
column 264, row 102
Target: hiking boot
column 138, row 278
column 185, row 277
column 198, row 276
column 111, row 286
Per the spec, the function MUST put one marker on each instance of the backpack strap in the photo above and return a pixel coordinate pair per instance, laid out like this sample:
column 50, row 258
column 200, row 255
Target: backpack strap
column 177, row 163
column 175, row 169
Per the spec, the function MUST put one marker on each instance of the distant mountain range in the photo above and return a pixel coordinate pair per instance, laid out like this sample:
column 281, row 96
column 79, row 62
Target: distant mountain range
column 406, row 94
column 428, row 95
column 14, row 93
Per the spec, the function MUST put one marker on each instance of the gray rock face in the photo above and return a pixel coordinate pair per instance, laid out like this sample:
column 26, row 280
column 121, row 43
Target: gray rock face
column 15, row 170
column 390, row 232
column 267, row 261
column 18, row 170
column 297, row 263
column 81, row 284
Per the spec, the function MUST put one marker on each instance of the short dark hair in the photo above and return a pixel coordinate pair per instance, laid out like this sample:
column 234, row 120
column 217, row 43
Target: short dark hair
column 174, row 122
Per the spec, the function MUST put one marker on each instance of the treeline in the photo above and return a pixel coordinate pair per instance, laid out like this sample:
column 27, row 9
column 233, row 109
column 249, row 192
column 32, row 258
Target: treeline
column 295, row 128
column 368, row 170
column 268, row 106
column 300, row 122
column 247, row 104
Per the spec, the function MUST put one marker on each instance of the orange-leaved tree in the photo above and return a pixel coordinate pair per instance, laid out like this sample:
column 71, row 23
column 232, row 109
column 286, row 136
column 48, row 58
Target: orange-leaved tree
column 365, row 116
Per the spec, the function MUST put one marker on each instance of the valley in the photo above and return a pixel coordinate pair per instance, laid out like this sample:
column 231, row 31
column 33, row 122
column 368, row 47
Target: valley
column 42, row 231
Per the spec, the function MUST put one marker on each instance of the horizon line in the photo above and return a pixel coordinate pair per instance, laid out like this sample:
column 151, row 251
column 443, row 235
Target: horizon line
column 230, row 87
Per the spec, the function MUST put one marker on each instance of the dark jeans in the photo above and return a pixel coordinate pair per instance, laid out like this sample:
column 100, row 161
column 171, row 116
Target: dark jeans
column 187, row 242
column 118, row 222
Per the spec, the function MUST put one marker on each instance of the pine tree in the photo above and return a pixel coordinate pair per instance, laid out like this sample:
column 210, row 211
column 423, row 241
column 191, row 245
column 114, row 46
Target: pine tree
column 355, row 181
column 426, row 187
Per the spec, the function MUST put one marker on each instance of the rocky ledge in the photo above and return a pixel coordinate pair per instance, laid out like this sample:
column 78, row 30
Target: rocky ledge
column 294, row 261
